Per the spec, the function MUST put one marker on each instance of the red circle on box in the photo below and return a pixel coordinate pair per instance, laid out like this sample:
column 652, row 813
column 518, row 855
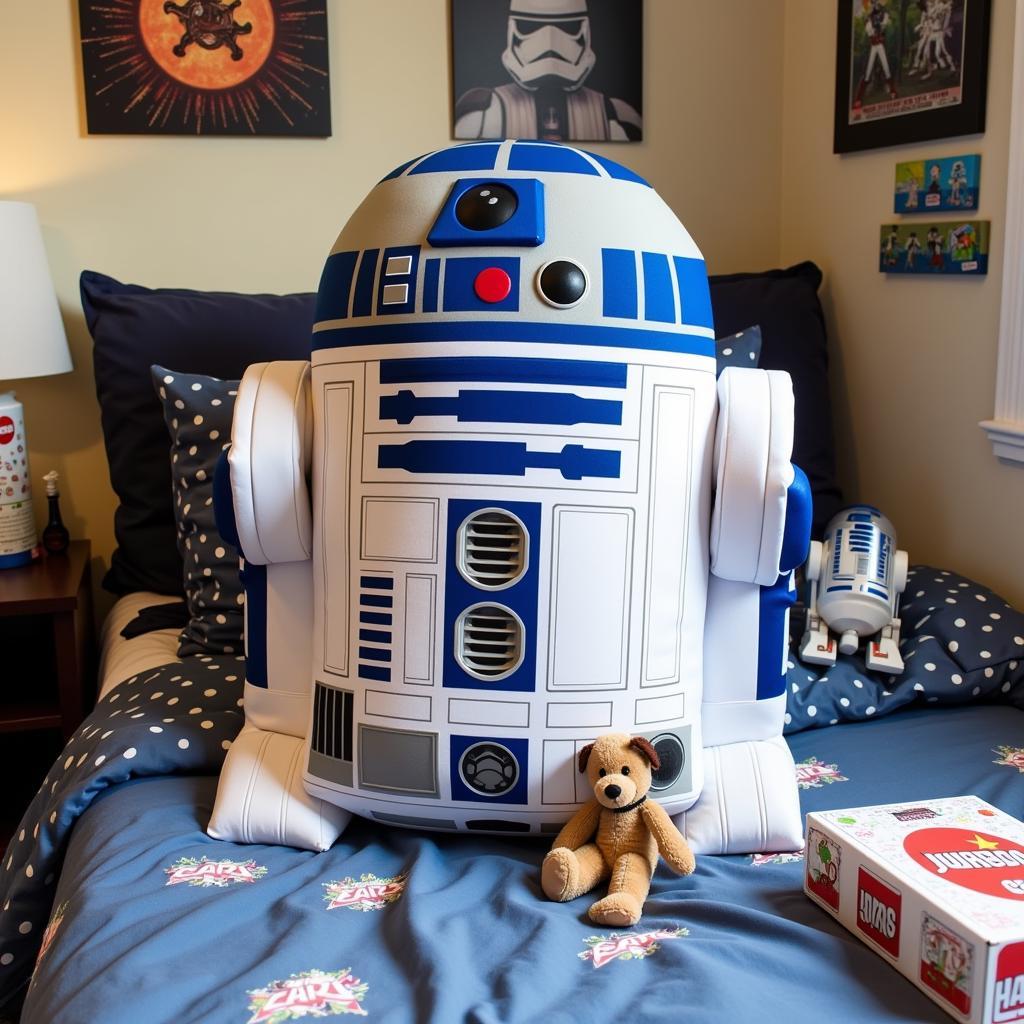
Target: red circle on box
column 6, row 430
column 986, row 863
column 492, row 285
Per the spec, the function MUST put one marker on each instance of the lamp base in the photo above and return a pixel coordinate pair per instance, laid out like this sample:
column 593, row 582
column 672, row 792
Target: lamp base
column 18, row 540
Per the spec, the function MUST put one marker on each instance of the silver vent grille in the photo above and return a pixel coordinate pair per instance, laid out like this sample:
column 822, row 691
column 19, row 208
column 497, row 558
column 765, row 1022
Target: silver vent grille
column 489, row 641
column 492, row 549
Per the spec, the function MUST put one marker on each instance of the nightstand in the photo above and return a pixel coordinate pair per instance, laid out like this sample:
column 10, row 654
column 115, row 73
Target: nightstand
column 47, row 643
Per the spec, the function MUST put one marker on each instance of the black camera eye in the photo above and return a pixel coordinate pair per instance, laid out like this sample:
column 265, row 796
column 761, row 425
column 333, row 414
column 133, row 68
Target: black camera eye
column 485, row 207
column 562, row 283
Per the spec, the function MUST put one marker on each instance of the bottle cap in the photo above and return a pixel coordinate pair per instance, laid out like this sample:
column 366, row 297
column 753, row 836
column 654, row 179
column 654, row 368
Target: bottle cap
column 51, row 483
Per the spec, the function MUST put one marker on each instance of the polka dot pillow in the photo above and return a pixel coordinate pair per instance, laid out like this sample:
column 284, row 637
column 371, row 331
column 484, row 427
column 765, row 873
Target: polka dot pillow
column 198, row 413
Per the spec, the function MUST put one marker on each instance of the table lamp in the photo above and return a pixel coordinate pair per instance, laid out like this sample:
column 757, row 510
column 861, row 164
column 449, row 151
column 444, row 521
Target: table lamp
column 32, row 344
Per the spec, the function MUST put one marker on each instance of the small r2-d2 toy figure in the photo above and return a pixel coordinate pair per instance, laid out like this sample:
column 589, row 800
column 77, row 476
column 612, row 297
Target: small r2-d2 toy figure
column 534, row 517
column 856, row 576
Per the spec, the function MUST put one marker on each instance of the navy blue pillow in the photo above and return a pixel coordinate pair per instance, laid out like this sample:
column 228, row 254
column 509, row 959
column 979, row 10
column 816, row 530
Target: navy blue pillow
column 216, row 334
column 741, row 349
column 786, row 306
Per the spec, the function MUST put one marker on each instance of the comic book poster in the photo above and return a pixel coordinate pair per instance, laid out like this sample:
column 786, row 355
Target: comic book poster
column 935, row 247
column 938, row 184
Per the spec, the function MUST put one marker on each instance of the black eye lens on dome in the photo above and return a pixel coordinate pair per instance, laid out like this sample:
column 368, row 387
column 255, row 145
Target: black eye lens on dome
column 486, row 207
column 562, row 283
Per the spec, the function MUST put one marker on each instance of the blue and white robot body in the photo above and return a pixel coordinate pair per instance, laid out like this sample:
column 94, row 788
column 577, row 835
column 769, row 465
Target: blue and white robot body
column 856, row 576
column 513, row 427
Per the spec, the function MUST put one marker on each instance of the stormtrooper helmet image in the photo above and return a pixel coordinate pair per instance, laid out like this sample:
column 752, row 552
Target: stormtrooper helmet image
column 549, row 40
column 508, row 506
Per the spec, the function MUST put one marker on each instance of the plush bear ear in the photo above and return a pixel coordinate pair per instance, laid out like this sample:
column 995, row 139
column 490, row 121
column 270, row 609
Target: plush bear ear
column 645, row 748
column 585, row 753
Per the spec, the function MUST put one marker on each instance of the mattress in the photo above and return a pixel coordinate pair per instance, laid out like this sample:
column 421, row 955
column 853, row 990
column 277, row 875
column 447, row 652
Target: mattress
column 121, row 658
column 155, row 921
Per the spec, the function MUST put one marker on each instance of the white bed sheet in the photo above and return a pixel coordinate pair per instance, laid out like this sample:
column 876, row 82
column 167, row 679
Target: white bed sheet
column 121, row 658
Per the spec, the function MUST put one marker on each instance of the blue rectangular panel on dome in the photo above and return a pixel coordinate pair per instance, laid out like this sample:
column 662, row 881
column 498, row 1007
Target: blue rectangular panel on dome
column 396, row 292
column 335, row 286
column 619, row 172
column 474, row 157
column 431, row 279
column 694, row 294
column 559, row 159
column 659, row 296
column 460, row 274
column 362, row 303
column 503, row 370
column 618, row 274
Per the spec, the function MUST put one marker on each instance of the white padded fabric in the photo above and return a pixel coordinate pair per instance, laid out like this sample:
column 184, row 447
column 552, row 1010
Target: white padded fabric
column 752, row 471
column 261, row 799
column 121, row 659
column 271, row 449
column 750, row 802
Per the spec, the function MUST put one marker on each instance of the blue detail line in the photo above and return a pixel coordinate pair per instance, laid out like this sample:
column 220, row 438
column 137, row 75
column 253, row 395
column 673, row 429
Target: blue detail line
column 497, row 458
column 515, row 330
column 844, row 586
column 503, row 407
column 694, row 294
column 335, row 286
column 878, row 593
column 254, row 579
column 374, row 654
column 362, row 302
column 375, row 672
column 375, row 618
column 376, row 601
column 498, row 370
column 431, row 277
column 377, row 582
column 460, row 158
column 618, row 272
column 375, row 636
column 557, row 159
column 659, row 300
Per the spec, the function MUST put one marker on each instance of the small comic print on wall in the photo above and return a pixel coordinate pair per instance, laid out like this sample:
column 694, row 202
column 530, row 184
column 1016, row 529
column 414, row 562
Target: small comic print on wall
column 938, row 185
column 206, row 67
column 558, row 70
column 906, row 56
column 943, row 247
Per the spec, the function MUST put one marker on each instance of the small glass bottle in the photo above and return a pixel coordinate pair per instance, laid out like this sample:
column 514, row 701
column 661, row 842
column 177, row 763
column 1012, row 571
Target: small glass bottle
column 55, row 537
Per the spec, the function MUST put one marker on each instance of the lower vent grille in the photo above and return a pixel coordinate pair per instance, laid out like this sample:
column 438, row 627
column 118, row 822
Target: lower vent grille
column 489, row 641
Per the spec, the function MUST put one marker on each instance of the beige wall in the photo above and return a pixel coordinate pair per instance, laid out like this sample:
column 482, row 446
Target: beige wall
column 913, row 361
column 121, row 205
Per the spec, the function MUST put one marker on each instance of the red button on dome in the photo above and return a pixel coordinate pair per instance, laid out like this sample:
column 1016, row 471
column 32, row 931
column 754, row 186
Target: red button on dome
column 492, row 285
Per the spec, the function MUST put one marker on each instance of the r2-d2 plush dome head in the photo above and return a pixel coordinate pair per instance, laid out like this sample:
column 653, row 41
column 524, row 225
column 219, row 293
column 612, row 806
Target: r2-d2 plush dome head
column 511, row 424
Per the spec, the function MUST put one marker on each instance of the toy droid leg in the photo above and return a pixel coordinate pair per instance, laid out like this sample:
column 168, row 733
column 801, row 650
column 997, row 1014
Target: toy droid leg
column 628, row 887
column 263, row 507
column 567, row 873
column 883, row 651
column 816, row 647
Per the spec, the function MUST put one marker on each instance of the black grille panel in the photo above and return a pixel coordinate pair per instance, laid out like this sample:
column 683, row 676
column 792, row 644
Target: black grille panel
column 332, row 722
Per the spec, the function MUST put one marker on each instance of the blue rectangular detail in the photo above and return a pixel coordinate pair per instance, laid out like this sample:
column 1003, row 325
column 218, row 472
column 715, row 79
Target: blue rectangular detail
column 362, row 303
column 375, row 636
column 474, row 157
column 376, row 601
column 495, row 369
column 335, row 286
column 431, row 279
column 878, row 593
column 618, row 274
column 460, row 273
column 527, row 157
column 377, row 582
column 659, row 299
column 254, row 579
column 482, row 406
column 375, row 618
column 374, row 654
column 409, row 280
column 378, row 673
column 844, row 586
column 694, row 294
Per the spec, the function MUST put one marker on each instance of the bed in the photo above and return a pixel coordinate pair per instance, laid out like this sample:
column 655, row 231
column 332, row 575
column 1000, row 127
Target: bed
column 116, row 905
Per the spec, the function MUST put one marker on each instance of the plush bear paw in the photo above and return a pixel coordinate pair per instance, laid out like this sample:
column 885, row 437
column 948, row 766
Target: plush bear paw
column 618, row 909
column 560, row 875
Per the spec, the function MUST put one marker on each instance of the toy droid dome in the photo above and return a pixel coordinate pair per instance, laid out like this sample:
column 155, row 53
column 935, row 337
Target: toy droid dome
column 524, row 477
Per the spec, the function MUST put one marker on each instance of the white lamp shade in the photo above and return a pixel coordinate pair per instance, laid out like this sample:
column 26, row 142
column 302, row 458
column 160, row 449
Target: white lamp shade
column 32, row 339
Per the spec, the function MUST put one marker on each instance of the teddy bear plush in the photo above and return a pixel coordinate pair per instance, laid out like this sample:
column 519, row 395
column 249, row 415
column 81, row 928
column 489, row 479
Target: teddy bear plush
column 617, row 835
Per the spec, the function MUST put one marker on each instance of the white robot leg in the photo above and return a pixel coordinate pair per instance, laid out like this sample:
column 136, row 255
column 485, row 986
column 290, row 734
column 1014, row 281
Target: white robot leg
column 816, row 646
column 883, row 651
column 760, row 529
column 261, row 797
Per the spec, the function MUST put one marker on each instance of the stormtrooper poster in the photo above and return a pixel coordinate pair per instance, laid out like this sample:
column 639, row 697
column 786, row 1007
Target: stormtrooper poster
column 559, row 70
column 206, row 67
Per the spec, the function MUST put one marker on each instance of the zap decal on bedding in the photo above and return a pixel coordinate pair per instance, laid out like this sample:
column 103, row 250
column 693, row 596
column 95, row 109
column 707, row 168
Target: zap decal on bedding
column 938, row 888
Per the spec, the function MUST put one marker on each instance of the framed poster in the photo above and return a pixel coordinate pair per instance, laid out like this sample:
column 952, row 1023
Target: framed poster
column 909, row 70
column 206, row 67
column 938, row 184
column 935, row 247
column 559, row 70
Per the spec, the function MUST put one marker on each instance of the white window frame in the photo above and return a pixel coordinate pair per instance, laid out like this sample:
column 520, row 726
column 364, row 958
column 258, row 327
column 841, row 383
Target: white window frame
column 1006, row 428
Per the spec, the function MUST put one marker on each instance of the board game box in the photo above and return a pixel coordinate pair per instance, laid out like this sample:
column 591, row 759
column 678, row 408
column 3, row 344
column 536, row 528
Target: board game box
column 936, row 888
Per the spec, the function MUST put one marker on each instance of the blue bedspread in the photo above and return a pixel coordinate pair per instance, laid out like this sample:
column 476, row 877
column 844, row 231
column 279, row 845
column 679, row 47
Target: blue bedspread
column 398, row 926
